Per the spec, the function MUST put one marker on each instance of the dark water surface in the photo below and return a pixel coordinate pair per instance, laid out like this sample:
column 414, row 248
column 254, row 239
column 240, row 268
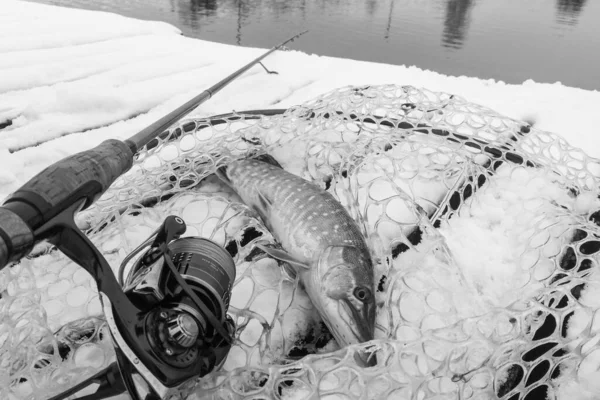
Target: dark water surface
column 509, row 40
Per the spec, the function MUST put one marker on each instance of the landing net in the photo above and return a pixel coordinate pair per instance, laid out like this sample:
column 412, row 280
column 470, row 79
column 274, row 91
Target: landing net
column 484, row 230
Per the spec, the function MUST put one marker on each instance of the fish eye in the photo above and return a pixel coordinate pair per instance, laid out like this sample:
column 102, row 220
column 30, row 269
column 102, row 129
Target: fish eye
column 362, row 293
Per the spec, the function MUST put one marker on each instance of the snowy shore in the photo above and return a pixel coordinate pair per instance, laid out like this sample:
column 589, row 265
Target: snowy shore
column 71, row 78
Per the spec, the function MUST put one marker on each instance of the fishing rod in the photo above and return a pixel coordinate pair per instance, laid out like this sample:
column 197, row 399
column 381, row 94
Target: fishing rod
column 169, row 320
column 145, row 135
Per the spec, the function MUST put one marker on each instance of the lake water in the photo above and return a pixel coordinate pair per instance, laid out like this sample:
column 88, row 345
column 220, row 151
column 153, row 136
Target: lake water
column 508, row 40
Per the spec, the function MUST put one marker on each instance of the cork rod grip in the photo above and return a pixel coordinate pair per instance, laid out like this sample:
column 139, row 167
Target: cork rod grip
column 85, row 175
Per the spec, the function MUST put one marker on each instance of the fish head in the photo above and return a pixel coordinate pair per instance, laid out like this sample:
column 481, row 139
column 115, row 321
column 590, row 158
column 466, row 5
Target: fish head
column 347, row 296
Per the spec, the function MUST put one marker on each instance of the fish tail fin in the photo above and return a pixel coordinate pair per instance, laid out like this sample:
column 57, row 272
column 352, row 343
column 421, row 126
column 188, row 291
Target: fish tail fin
column 267, row 159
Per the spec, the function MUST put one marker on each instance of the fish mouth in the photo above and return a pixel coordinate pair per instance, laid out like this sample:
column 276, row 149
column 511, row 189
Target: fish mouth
column 365, row 358
column 365, row 318
column 360, row 323
column 350, row 326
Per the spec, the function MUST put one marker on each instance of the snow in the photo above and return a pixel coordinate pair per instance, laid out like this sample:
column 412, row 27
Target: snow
column 499, row 235
column 65, row 87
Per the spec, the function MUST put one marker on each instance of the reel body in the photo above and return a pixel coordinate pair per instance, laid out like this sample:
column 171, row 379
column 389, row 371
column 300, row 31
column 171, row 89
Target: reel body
column 168, row 319
column 179, row 333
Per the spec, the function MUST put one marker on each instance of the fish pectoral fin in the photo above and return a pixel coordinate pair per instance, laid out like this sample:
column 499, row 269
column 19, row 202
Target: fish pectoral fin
column 221, row 173
column 263, row 203
column 282, row 255
column 289, row 272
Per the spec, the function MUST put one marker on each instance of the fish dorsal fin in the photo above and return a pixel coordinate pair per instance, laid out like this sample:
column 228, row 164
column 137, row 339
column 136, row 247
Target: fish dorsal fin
column 282, row 255
column 268, row 159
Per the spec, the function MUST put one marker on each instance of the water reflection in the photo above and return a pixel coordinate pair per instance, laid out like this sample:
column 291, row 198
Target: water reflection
column 456, row 22
column 193, row 11
column 243, row 10
column 400, row 31
column 280, row 7
column 568, row 11
column 371, row 7
column 389, row 21
column 202, row 7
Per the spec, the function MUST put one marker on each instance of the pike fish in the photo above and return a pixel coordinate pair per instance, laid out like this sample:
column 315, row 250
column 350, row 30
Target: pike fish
column 320, row 241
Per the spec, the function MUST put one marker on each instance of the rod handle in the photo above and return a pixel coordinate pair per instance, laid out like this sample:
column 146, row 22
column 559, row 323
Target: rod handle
column 85, row 175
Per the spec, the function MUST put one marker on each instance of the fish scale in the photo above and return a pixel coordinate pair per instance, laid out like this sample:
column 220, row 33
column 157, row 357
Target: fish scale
column 288, row 195
column 320, row 240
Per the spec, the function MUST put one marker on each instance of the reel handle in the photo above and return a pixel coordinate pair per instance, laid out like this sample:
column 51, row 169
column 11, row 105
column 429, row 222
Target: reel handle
column 172, row 228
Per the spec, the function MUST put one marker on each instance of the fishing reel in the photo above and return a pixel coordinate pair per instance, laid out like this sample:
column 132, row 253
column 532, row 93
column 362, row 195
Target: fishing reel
column 184, row 287
column 168, row 316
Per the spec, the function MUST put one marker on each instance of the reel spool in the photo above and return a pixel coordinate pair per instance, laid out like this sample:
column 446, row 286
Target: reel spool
column 207, row 268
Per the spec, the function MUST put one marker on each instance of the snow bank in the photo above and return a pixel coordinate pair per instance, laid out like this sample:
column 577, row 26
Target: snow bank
column 71, row 78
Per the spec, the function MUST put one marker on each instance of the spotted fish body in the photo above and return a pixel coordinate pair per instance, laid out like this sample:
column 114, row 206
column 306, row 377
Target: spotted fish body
column 321, row 241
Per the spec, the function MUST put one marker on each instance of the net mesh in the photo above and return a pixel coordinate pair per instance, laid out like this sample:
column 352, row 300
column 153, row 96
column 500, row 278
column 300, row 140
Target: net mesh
column 484, row 232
